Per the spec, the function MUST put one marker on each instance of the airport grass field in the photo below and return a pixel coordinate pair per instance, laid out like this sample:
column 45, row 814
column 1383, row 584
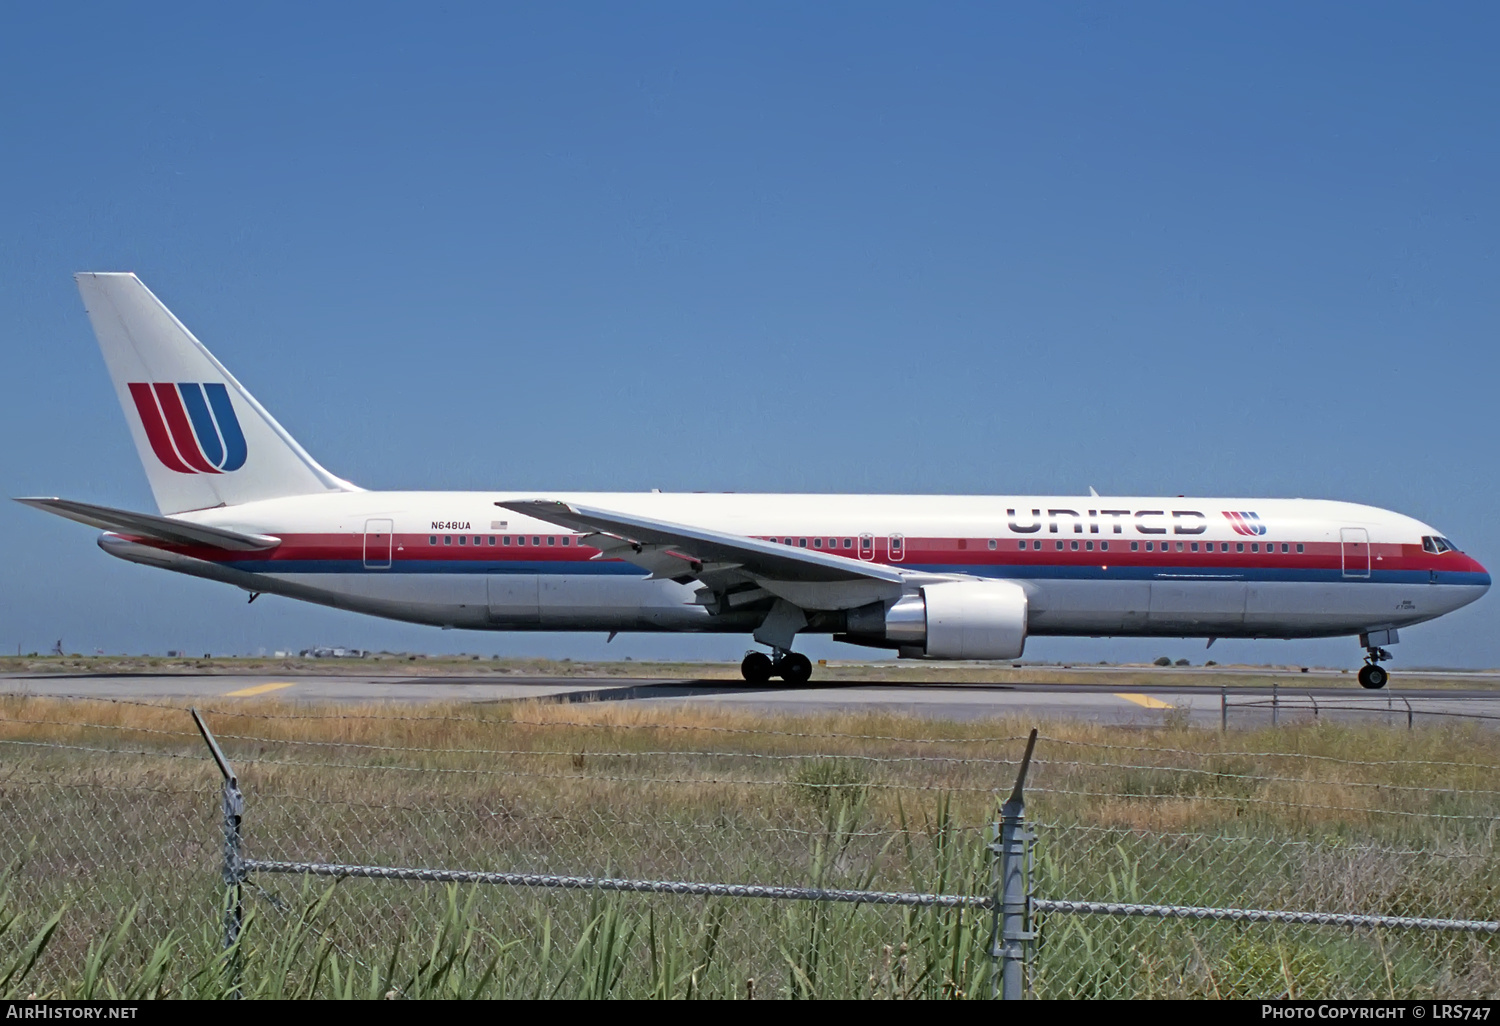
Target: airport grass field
column 113, row 842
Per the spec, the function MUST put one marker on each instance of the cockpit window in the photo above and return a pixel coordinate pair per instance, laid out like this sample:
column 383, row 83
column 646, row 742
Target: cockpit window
column 1434, row 543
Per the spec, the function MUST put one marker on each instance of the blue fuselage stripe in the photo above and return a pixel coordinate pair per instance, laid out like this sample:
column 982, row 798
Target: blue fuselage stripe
column 611, row 568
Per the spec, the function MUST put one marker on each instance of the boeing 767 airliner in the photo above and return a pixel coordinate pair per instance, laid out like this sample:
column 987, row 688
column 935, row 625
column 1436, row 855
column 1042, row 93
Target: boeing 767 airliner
column 930, row 576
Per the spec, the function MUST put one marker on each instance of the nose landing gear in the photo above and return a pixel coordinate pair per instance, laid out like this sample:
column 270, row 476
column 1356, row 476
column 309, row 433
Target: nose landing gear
column 792, row 667
column 1372, row 675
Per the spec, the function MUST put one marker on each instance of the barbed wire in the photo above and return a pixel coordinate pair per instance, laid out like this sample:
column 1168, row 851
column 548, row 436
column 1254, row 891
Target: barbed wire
column 158, row 753
column 1261, row 778
column 1034, row 789
column 1266, row 755
column 1062, row 826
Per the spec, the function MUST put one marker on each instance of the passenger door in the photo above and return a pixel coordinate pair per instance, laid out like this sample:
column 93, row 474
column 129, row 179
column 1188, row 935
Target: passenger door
column 1355, row 544
column 378, row 544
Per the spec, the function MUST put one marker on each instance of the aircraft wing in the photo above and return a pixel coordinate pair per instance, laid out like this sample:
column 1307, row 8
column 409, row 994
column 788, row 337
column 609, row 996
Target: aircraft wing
column 807, row 578
column 148, row 525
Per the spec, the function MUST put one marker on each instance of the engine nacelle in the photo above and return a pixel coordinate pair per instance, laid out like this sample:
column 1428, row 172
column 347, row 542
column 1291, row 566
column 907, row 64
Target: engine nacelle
column 954, row 620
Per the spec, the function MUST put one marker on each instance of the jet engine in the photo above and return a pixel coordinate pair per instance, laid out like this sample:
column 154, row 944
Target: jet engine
column 954, row 620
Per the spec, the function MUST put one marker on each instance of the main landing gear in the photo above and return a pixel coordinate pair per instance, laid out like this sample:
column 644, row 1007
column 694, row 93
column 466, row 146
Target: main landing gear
column 1372, row 675
column 792, row 667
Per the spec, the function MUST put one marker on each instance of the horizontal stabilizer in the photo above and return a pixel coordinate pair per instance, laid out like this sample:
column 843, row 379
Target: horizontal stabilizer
column 149, row 525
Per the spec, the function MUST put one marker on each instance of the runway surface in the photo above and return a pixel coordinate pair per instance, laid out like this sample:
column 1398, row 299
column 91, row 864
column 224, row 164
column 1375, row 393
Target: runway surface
column 1102, row 702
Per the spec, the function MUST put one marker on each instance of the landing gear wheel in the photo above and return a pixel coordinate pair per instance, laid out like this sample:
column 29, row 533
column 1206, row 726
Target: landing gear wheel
column 795, row 668
column 757, row 668
column 1373, row 676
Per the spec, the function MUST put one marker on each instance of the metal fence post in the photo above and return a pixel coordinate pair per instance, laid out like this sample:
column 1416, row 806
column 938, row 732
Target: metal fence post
column 1223, row 710
column 233, row 808
column 1275, row 695
column 1010, row 926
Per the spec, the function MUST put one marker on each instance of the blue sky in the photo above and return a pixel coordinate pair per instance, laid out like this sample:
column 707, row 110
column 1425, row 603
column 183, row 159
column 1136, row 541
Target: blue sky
column 1156, row 248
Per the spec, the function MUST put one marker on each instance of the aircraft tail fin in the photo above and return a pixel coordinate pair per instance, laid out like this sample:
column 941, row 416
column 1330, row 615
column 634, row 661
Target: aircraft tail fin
column 203, row 440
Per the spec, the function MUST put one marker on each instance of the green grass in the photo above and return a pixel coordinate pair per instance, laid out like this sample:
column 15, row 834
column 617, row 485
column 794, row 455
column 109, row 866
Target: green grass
column 111, row 830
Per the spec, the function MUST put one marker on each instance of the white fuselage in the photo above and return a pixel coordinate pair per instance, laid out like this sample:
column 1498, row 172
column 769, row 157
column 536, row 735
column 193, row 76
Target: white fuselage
column 1090, row 566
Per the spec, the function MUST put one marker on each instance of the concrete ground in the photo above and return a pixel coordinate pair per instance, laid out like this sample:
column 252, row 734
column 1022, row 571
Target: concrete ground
column 1298, row 699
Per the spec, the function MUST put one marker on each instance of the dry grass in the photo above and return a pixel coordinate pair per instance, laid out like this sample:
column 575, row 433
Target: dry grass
column 120, row 799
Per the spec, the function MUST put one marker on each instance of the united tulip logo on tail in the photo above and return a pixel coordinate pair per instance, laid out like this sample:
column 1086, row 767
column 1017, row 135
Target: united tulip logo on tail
column 192, row 428
column 1247, row 524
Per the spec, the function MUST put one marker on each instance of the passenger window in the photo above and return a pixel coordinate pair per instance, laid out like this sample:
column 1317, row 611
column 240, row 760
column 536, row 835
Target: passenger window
column 1224, row 547
column 521, row 539
column 1104, row 546
column 1195, row 546
column 1239, row 546
column 864, row 542
column 463, row 539
column 802, row 543
column 505, row 540
column 567, row 541
column 432, row 540
column 1151, row 546
column 1135, row 546
column 1179, row 546
column 1299, row 547
column 1089, row 546
column 1255, row 546
column 552, row 540
column 994, row 544
column 1075, row 546
column 535, row 540
column 817, row 543
column 1059, row 546
column 1036, row 545
column 1022, row 543
column 478, row 540
column 492, row 539
column 786, row 541
column 1285, row 547
column 848, row 543
column 447, row 539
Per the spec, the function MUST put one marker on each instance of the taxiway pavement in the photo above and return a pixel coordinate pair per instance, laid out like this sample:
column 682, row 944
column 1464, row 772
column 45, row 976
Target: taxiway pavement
column 1142, row 704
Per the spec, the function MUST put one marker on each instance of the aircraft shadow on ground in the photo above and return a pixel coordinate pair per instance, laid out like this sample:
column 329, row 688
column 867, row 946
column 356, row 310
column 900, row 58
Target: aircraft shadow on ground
column 675, row 689
column 710, row 688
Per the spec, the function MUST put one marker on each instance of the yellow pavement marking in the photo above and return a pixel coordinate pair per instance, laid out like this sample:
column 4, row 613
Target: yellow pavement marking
column 1146, row 700
column 258, row 689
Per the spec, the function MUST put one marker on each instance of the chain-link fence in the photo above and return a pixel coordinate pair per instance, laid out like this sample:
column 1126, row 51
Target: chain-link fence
column 612, row 849
column 1273, row 707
